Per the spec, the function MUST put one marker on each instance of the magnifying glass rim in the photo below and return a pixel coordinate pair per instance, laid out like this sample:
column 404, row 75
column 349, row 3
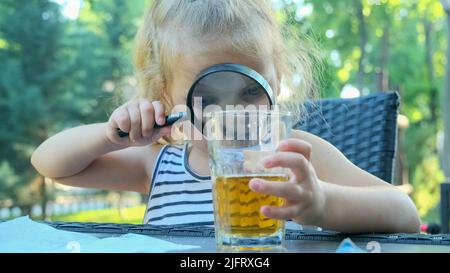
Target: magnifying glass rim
column 230, row 67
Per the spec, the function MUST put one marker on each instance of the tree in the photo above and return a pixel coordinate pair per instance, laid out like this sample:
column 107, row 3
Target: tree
column 446, row 99
column 55, row 75
column 386, row 45
column 362, row 42
column 30, row 32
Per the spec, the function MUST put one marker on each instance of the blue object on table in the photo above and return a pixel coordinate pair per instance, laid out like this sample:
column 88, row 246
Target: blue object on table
column 347, row 246
column 24, row 235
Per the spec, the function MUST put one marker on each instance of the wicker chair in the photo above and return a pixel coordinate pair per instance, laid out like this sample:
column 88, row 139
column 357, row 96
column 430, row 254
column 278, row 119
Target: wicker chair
column 363, row 129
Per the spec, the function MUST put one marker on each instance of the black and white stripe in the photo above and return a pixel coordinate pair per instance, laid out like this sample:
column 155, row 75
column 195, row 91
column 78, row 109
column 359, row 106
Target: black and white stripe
column 178, row 195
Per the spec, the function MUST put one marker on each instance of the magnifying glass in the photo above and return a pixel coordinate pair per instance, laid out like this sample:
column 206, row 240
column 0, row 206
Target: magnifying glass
column 219, row 86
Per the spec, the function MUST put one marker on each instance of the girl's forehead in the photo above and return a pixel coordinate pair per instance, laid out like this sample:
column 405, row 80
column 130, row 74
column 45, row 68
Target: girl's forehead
column 190, row 65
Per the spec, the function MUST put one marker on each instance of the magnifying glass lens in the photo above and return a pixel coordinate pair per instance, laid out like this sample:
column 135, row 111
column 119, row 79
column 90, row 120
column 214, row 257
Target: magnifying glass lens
column 229, row 89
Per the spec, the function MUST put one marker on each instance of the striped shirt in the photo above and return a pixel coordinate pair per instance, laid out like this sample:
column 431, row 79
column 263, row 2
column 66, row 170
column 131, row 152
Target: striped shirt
column 178, row 195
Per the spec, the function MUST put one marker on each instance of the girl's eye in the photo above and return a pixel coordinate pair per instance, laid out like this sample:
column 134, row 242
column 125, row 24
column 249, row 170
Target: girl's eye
column 252, row 93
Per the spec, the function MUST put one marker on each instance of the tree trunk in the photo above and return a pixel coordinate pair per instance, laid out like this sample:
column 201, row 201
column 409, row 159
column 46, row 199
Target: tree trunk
column 446, row 108
column 401, row 170
column 383, row 74
column 120, row 206
column 25, row 210
column 428, row 26
column 44, row 199
column 362, row 43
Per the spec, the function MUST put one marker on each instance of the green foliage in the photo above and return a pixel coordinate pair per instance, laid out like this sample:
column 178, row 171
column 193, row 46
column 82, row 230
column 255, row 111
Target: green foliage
column 428, row 177
column 395, row 43
column 9, row 178
column 53, row 76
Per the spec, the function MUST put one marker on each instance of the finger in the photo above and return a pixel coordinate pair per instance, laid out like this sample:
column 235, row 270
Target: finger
column 287, row 190
column 281, row 213
column 161, row 132
column 298, row 164
column 159, row 112
column 135, row 121
column 147, row 117
column 112, row 133
column 296, row 145
column 122, row 119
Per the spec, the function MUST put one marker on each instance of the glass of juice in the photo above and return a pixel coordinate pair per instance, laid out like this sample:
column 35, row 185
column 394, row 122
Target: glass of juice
column 237, row 141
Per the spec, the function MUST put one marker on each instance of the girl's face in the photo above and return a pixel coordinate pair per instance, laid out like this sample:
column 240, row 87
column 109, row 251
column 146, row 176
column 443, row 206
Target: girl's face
column 188, row 67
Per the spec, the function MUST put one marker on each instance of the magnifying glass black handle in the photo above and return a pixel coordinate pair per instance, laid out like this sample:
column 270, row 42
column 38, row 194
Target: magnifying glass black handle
column 170, row 119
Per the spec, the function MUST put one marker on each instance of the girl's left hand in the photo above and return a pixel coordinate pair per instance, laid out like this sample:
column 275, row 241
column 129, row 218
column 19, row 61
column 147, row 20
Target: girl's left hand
column 303, row 193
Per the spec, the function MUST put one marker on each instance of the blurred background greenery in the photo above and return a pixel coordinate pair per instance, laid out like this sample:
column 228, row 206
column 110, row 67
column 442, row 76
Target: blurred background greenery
column 62, row 62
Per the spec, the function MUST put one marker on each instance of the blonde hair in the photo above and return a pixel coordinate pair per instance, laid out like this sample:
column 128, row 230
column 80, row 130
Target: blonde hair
column 172, row 28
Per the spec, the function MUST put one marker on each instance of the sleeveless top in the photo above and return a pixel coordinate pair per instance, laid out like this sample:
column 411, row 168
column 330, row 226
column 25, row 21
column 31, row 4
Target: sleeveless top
column 177, row 194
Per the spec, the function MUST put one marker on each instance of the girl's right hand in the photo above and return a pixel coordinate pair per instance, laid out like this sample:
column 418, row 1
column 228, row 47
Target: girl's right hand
column 137, row 117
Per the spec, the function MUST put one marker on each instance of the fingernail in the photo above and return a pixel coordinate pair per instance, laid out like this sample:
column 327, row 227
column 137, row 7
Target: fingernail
column 161, row 121
column 255, row 184
column 265, row 210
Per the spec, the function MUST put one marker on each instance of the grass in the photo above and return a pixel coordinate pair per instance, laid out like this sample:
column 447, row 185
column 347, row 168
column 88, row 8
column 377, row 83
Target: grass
column 133, row 215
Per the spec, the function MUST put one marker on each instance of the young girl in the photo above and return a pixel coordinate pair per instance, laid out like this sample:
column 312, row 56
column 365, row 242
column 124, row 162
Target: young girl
column 177, row 40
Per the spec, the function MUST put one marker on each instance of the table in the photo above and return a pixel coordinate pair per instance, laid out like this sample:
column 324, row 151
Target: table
column 297, row 241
